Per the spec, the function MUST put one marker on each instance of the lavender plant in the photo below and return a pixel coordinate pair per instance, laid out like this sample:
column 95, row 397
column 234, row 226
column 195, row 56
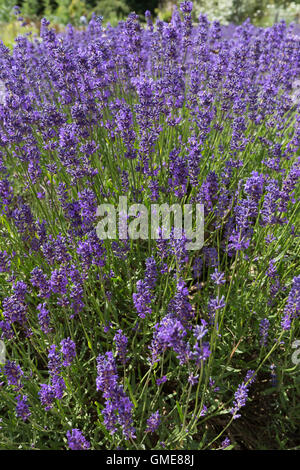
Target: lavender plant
column 142, row 344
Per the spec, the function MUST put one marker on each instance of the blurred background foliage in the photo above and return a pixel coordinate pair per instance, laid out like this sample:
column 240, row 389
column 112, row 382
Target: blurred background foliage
column 78, row 12
column 261, row 12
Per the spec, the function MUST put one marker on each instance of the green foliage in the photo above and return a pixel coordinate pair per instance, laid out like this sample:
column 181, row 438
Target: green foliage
column 265, row 12
column 6, row 10
column 77, row 8
column 262, row 12
column 31, row 8
column 164, row 12
column 48, row 8
column 62, row 12
column 112, row 10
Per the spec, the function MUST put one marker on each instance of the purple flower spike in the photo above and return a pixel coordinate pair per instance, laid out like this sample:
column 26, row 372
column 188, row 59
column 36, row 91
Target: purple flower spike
column 77, row 441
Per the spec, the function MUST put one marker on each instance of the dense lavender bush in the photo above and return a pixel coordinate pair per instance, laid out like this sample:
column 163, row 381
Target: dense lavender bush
column 142, row 343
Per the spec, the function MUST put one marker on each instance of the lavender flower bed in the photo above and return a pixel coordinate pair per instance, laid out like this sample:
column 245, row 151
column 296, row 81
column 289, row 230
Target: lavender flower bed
column 142, row 344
